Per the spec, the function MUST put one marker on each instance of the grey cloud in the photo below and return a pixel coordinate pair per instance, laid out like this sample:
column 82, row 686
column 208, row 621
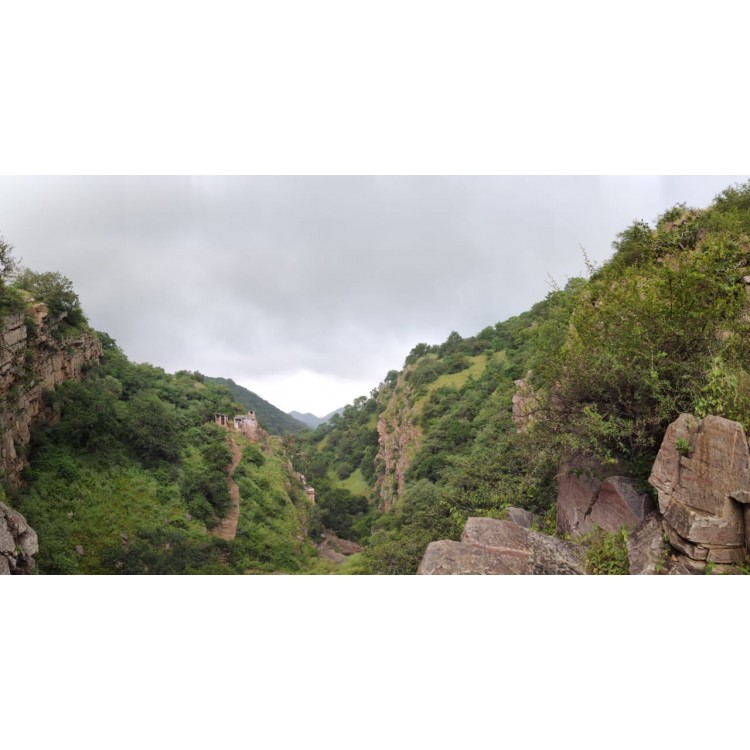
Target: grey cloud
column 248, row 277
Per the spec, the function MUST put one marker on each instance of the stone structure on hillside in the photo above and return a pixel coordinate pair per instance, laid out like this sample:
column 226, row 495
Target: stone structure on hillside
column 247, row 424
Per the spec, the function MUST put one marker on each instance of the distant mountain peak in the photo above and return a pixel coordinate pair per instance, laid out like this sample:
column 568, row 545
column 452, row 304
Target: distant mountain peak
column 311, row 420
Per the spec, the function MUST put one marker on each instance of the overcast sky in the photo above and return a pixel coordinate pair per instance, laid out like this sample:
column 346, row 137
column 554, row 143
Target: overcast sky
column 308, row 290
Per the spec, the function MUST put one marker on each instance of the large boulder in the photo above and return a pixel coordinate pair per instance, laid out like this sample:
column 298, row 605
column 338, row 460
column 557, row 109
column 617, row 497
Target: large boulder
column 18, row 542
column 618, row 503
column 456, row 558
column 492, row 547
column 702, row 476
column 587, row 498
column 578, row 483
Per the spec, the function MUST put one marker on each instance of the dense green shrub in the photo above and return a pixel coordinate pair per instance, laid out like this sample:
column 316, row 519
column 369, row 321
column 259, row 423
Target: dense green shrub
column 606, row 554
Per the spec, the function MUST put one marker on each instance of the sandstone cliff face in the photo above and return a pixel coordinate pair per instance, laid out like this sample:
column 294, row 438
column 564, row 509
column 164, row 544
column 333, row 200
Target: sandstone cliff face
column 33, row 360
column 399, row 440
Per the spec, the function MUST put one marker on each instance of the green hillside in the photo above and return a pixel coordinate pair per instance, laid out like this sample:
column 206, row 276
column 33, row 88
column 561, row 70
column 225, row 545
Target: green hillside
column 610, row 361
column 134, row 473
column 271, row 419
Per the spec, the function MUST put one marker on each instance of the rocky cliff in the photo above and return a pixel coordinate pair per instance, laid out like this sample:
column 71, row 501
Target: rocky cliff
column 35, row 357
column 399, row 439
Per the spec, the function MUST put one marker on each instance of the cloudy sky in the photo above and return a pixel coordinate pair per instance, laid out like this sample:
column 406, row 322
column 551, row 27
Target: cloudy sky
column 308, row 290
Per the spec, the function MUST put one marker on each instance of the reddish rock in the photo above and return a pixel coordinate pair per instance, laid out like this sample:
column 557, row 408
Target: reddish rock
column 665, row 471
column 619, row 504
column 578, row 483
column 704, row 488
column 492, row 547
column 718, row 466
column 726, row 529
column 587, row 497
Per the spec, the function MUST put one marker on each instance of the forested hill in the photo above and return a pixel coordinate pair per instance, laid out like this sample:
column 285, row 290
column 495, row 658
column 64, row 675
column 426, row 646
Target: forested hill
column 134, row 475
column 271, row 418
column 599, row 368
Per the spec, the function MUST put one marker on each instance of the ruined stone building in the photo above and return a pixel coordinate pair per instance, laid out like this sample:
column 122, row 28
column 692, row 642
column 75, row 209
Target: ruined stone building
column 247, row 424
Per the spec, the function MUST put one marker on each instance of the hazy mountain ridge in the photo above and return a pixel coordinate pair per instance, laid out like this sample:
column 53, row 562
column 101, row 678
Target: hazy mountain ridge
column 311, row 420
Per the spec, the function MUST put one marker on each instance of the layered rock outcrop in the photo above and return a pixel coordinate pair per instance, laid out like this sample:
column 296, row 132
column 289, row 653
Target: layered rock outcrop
column 492, row 547
column 33, row 359
column 18, row 543
column 702, row 477
column 702, row 524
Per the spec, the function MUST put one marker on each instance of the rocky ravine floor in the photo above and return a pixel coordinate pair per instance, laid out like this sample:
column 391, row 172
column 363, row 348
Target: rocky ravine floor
column 227, row 529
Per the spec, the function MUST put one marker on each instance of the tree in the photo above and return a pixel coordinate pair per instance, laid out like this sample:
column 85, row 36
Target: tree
column 55, row 290
column 8, row 264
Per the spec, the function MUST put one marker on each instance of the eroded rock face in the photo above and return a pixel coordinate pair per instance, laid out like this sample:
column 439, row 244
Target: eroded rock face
column 492, row 547
column 18, row 543
column 702, row 476
column 587, row 497
column 399, row 440
column 33, row 360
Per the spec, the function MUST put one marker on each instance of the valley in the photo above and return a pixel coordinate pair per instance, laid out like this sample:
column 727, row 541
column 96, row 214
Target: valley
column 556, row 416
